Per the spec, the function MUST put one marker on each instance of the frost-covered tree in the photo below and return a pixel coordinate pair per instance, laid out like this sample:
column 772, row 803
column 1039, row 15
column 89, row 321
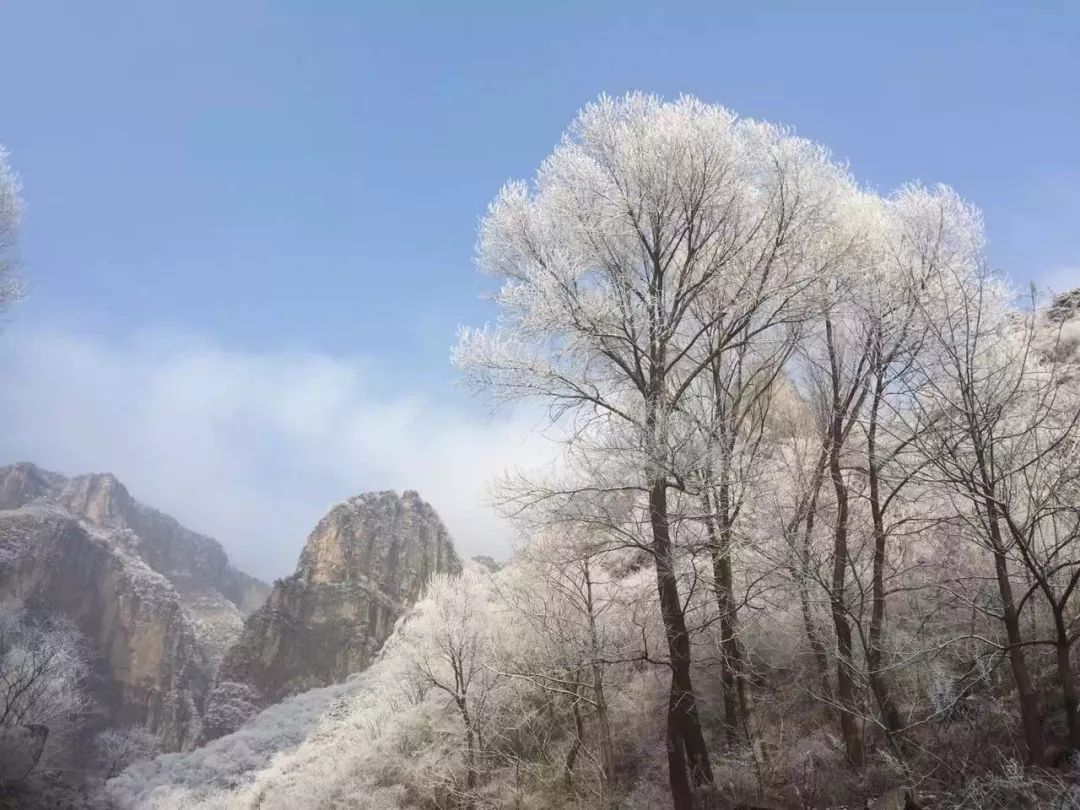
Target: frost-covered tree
column 819, row 475
column 43, row 673
column 42, row 668
column 117, row 748
column 562, row 596
column 1000, row 423
column 450, row 647
column 730, row 413
column 654, row 237
column 859, row 342
column 894, row 308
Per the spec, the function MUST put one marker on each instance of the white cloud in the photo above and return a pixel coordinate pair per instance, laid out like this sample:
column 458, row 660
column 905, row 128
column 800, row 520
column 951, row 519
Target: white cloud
column 250, row 448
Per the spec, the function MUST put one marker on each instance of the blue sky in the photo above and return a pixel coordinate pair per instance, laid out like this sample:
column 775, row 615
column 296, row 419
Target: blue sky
column 271, row 180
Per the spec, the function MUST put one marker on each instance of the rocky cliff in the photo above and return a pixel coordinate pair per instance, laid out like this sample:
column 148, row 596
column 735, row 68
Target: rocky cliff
column 159, row 604
column 365, row 563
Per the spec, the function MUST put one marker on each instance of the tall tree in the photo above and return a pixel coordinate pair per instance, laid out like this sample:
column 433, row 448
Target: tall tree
column 449, row 645
column 834, row 369
column 646, row 212
column 974, row 421
column 734, row 410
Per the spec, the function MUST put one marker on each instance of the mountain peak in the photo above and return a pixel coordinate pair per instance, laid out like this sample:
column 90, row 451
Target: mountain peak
column 191, row 561
column 24, row 482
column 365, row 563
column 398, row 540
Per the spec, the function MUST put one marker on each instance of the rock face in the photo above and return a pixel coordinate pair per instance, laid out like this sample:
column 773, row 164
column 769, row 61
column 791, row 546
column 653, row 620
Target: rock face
column 364, row 565
column 159, row 604
column 193, row 563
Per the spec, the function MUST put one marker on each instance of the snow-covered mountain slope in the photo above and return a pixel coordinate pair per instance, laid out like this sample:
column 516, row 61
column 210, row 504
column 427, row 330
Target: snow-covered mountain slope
column 208, row 774
column 352, row 744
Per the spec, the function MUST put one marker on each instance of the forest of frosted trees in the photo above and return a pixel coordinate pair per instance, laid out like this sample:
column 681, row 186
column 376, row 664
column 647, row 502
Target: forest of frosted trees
column 813, row 535
column 813, row 538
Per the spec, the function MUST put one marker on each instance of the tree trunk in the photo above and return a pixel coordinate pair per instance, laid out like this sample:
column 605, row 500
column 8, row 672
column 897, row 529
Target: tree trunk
column 470, row 745
column 850, row 724
column 1028, row 700
column 731, row 699
column 1070, row 700
column 1029, row 704
column 687, row 750
column 575, row 747
column 682, row 795
column 879, row 686
column 738, row 689
column 603, row 719
column 722, row 586
column 802, row 574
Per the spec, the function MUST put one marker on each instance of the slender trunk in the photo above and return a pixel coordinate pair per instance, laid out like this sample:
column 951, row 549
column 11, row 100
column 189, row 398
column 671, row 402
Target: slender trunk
column 470, row 745
column 850, row 725
column 1062, row 643
column 874, row 655
column 731, row 700
column 687, row 750
column 575, row 747
column 1029, row 704
column 807, row 511
column 688, row 755
column 1070, row 699
column 719, row 548
column 1027, row 698
column 603, row 719
column 738, row 690
column 817, row 647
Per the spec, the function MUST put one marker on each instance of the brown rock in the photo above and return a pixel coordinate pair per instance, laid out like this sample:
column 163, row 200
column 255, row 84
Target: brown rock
column 364, row 565
column 159, row 604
